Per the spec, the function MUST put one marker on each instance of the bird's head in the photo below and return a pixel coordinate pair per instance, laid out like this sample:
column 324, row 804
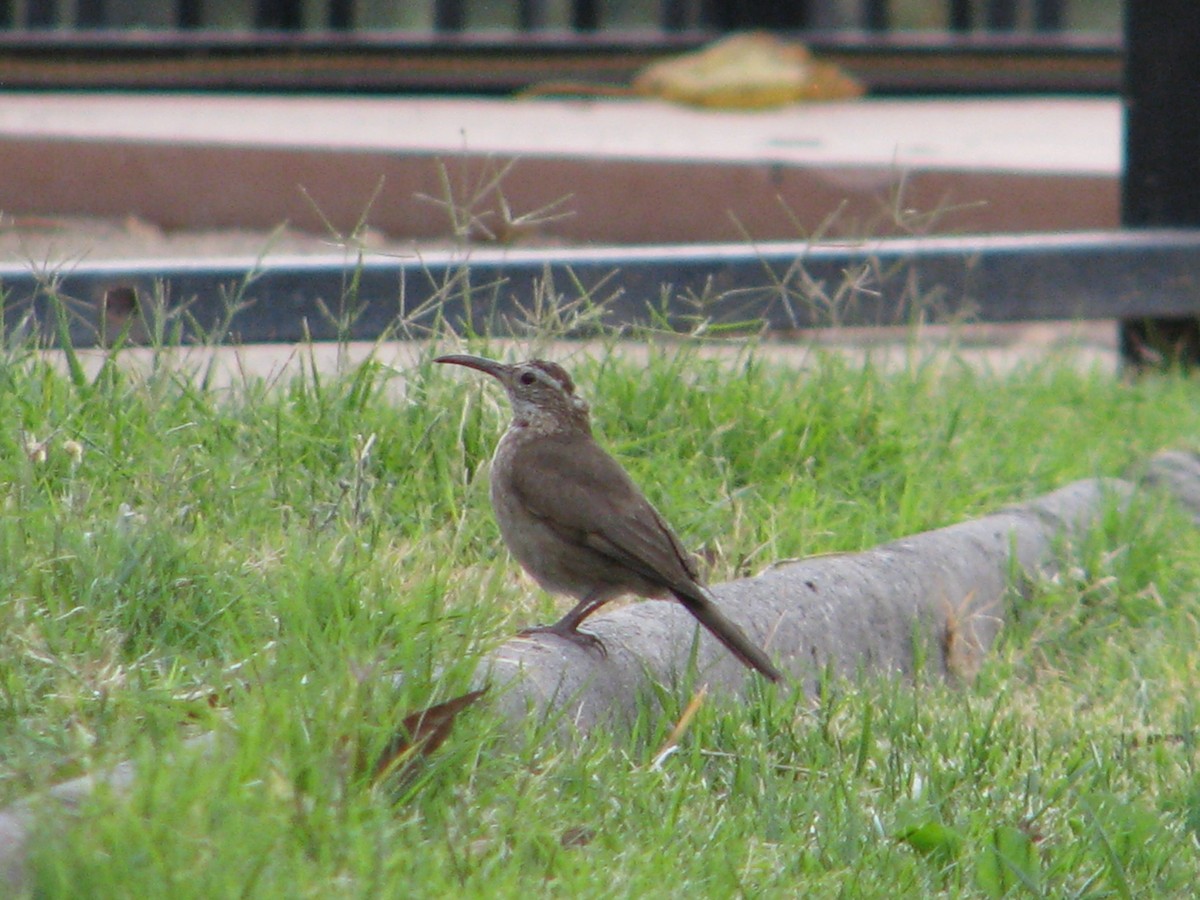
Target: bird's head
column 541, row 392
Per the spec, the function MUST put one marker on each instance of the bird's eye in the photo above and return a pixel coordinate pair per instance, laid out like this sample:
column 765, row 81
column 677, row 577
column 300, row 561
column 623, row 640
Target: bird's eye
column 528, row 378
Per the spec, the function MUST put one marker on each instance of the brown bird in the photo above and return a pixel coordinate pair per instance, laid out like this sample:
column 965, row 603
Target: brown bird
column 575, row 520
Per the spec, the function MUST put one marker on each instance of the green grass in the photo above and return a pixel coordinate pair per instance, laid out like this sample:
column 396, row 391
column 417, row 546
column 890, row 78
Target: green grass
column 246, row 558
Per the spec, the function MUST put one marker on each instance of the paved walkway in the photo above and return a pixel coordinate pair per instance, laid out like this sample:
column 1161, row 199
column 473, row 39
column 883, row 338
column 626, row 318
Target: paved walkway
column 1076, row 136
column 594, row 171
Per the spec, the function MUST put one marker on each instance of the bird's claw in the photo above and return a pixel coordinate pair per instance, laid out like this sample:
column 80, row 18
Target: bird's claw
column 580, row 638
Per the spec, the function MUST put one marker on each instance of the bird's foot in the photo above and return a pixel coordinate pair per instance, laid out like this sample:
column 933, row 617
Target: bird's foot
column 581, row 638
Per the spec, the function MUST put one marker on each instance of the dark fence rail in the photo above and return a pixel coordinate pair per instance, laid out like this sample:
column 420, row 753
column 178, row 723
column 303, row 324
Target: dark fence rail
column 895, row 46
column 778, row 287
column 529, row 15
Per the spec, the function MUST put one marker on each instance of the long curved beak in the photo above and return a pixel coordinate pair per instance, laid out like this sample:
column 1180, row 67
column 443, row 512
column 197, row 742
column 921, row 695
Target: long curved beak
column 492, row 367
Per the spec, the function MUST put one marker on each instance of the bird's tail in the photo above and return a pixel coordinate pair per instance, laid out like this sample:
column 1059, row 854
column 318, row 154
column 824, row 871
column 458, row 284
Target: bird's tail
column 729, row 634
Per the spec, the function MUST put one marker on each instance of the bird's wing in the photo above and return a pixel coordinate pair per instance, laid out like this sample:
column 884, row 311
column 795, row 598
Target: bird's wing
column 590, row 499
column 585, row 495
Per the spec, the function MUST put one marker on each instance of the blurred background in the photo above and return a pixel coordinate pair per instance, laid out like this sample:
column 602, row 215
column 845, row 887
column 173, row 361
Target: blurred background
column 425, row 15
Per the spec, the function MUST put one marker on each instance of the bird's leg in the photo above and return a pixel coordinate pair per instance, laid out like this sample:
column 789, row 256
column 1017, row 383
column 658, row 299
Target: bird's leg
column 567, row 627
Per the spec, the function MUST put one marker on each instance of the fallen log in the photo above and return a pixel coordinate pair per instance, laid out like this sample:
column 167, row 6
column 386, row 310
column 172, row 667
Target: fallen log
column 937, row 599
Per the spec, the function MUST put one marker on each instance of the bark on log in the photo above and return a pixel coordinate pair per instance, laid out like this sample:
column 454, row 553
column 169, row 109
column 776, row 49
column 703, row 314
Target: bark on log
column 940, row 596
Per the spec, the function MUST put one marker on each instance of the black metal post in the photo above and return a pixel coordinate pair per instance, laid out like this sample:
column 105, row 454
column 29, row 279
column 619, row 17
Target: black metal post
column 958, row 16
column 1049, row 15
column 772, row 15
column 875, row 15
column 285, row 15
column 585, row 15
column 1161, row 185
column 675, row 15
column 189, row 13
column 91, row 14
column 41, row 13
column 449, row 15
column 1001, row 15
column 341, row 15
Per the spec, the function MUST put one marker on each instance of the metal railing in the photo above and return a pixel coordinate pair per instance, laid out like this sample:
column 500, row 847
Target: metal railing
column 525, row 15
column 777, row 286
column 893, row 46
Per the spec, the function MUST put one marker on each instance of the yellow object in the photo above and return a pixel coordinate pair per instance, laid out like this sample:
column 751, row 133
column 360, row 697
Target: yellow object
column 747, row 71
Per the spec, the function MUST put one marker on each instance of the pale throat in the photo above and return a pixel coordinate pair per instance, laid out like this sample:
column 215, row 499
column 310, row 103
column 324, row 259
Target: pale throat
column 572, row 415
